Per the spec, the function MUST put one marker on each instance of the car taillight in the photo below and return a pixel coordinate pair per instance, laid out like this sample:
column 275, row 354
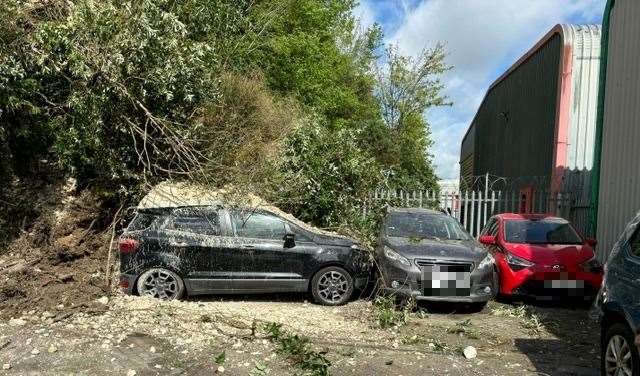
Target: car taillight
column 128, row 245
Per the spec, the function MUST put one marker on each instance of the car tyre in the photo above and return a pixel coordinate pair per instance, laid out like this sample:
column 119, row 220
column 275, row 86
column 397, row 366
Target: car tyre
column 160, row 283
column 332, row 286
column 617, row 343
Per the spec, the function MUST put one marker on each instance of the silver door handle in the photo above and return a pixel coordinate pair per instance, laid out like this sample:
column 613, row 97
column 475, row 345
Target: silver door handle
column 248, row 246
column 178, row 244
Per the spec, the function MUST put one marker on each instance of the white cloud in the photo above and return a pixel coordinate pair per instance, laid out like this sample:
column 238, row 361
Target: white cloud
column 365, row 13
column 482, row 37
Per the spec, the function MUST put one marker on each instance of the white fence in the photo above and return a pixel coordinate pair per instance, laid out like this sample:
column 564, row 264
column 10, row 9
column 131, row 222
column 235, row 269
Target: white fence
column 473, row 209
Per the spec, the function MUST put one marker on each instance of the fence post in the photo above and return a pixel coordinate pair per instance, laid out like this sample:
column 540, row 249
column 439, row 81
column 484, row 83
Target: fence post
column 473, row 210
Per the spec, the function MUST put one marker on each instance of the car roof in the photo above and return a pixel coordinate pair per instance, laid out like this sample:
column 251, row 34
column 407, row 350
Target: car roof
column 413, row 210
column 534, row 217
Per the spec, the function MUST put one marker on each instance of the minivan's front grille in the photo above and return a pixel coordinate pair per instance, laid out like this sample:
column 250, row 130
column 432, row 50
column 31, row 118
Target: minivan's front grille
column 424, row 262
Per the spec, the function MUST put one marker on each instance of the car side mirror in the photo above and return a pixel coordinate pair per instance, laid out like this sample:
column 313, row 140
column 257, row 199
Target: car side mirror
column 289, row 240
column 488, row 240
column 591, row 241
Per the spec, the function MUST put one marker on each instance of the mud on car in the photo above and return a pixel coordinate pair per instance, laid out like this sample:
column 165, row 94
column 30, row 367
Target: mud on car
column 177, row 247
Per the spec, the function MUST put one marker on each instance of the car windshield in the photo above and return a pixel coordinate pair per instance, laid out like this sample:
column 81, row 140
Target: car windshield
column 424, row 226
column 541, row 232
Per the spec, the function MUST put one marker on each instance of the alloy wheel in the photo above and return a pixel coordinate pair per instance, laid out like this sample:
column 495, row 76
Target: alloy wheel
column 618, row 357
column 160, row 284
column 332, row 286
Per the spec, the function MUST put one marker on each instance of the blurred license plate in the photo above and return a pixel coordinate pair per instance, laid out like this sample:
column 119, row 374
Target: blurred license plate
column 564, row 284
column 446, row 280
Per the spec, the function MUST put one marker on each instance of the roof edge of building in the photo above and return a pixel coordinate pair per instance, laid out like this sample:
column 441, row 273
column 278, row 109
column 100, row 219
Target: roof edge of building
column 567, row 33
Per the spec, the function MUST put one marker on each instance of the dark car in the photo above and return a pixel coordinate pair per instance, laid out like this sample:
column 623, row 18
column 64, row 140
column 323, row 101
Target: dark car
column 429, row 256
column 171, row 249
column 618, row 306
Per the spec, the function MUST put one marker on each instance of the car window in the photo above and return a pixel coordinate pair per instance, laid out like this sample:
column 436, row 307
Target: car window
column 196, row 221
column 424, row 226
column 258, row 225
column 551, row 231
column 634, row 244
column 142, row 221
column 491, row 228
column 300, row 234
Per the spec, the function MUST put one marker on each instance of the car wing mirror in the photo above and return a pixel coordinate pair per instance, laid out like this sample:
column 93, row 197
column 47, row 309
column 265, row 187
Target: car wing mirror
column 488, row 240
column 591, row 241
column 289, row 240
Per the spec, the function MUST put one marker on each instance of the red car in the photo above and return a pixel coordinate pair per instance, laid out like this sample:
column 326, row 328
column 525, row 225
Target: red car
column 542, row 256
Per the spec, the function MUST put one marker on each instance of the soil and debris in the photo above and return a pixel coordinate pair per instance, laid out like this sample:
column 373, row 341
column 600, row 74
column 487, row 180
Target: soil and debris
column 152, row 337
column 60, row 258
column 171, row 195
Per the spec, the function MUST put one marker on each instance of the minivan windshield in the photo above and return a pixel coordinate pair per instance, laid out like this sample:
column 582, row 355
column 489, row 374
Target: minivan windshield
column 424, row 226
column 540, row 232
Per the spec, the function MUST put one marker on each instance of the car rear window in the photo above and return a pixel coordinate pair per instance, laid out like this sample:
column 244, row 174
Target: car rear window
column 142, row 221
column 540, row 232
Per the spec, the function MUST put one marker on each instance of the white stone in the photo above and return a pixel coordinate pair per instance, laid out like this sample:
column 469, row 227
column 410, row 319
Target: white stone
column 131, row 373
column 104, row 300
column 17, row 322
column 220, row 369
column 35, row 352
column 6, row 366
column 470, row 352
column 52, row 349
column 152, row 349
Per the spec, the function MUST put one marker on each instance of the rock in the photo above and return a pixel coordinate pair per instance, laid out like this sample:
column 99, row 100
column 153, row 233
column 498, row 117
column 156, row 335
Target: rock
column 35, row 352
column 52, row 349
column 152, row 349
column 220, row 369
column 6, row 366
column 104, row 300
column 470, row 352
column 131, row 373
column 17, row 322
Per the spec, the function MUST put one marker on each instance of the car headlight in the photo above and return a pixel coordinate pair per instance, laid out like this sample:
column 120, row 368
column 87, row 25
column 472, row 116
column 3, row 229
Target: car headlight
column 395, row 256
column 592, row 265
column 518, row 263
column 487, row 261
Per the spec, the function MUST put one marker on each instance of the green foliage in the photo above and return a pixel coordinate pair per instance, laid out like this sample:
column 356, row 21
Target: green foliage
column 221, row 358
column 298, row 350
column 388, row 314
column 276, row 97
column 328, row 174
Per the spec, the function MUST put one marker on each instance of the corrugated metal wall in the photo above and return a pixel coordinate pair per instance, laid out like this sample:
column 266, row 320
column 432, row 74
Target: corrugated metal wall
column 619, row 196
column 585, row 41
column 515, row 125
column 466, row 158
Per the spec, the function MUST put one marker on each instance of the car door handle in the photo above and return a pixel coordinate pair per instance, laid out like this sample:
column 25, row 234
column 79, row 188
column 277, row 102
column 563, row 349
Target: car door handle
column 178, row 244
column 248, row 246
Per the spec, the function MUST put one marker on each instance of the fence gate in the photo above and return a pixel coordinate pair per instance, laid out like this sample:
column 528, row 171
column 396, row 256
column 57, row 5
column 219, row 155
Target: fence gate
column 474, row 208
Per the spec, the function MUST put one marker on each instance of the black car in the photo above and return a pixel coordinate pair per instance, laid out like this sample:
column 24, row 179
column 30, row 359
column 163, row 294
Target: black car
column 428, row 255
column 173, row 249
column 618, row 306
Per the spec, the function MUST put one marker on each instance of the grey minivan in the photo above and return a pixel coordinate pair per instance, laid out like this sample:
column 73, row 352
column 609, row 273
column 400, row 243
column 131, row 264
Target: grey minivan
column 429, row 256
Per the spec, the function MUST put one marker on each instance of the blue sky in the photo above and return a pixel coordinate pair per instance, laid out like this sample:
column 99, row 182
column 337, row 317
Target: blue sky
column 483, row 38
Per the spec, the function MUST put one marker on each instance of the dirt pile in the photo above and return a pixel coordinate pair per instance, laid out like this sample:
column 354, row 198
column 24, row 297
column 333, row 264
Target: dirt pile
column 59, row 259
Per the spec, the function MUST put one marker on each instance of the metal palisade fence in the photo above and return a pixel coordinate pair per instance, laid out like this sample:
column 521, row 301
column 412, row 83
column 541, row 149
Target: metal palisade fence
column 474, row 208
